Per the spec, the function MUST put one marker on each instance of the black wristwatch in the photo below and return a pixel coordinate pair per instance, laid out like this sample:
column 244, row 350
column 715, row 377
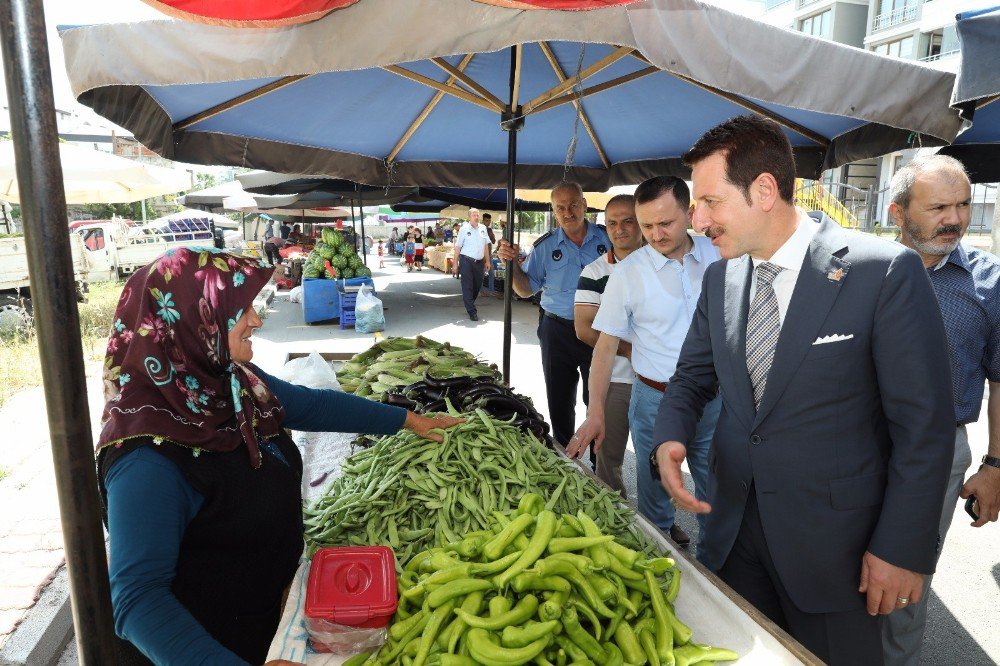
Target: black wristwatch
column 987, row 460
column 654, row 467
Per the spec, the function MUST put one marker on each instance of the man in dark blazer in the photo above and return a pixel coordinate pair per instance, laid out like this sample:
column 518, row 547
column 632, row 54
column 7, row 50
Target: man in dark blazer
column 832, row 451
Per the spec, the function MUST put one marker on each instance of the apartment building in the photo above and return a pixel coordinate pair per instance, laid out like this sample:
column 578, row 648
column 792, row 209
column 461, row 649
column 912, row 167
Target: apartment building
column 922, row 30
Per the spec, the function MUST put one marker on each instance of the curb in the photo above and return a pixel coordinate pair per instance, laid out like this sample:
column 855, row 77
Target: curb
column 46, row 629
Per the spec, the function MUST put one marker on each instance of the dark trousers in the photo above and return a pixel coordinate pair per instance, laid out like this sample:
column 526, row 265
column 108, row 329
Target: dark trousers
column 471, row 272
column 272, row 254
column 565, row 360
column 851, row 638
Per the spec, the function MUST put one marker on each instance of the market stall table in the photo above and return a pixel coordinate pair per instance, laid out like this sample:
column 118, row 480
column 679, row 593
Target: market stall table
column 717, row 614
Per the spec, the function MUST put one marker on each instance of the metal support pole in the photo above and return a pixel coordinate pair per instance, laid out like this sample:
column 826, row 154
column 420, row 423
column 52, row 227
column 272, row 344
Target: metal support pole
column 512, row 121
column 361, row 212
column 50, row 264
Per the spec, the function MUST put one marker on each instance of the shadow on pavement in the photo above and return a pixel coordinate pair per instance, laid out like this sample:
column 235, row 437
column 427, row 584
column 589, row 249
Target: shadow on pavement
column 946, row 641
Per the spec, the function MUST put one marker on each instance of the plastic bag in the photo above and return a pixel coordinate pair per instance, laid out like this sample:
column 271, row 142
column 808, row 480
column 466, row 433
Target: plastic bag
column 311, row 371
column 326, row 636
column 368, row 315
column 295, row 295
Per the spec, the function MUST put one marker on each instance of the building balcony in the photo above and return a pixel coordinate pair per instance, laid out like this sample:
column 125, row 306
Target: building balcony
column 802, row 4
column 895, row 17
column 940, row 56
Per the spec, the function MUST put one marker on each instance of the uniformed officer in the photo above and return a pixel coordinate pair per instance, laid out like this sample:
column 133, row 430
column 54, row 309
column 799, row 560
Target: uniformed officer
column 553, row 267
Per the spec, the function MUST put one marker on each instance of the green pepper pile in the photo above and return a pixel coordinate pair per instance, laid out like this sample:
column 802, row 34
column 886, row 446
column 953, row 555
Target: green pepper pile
column 542, row 588
column 410, row 494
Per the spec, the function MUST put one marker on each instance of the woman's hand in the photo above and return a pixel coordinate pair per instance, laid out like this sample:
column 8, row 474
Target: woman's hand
column 424, row 425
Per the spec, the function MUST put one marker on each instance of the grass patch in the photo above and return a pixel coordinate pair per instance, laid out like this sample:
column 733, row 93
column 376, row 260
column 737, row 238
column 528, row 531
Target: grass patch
column 4, row 472
column 20, row 365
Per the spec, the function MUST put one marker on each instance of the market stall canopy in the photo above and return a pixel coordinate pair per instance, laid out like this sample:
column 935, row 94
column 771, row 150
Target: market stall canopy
column 270, row 13
column 227, row 196
column 607, row 97
column 337, row 191
column 402, row 199
column 595, row 200
column 94, row 176
column 327, row 212
column 977, row 95
column 231, row 196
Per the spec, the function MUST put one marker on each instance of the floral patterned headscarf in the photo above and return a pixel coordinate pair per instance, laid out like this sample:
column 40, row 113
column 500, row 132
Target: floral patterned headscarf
column 168, row 373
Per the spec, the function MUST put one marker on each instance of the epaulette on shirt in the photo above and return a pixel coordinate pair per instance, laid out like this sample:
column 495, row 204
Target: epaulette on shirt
column 541, row 239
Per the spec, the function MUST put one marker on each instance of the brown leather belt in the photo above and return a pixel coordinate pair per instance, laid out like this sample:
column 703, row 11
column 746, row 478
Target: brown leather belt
column 659, row 386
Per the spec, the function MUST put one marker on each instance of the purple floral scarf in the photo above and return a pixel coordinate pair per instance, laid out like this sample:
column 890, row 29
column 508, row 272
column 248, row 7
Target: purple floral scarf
column 167, row 372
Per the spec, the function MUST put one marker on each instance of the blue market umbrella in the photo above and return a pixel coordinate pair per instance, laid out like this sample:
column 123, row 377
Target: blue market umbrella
column 603, row 97
column 454, row 94
column 976, row 94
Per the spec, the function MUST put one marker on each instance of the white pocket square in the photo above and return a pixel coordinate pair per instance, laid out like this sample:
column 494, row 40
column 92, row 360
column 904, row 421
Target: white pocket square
column 827, row 339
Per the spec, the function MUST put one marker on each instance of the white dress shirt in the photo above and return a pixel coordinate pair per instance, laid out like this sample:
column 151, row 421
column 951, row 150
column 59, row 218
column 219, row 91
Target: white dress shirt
column 790, row 257
column 472, row 241
column 650, row 300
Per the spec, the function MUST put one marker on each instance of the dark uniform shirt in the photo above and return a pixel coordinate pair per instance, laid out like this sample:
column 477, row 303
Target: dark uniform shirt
column 555, row 263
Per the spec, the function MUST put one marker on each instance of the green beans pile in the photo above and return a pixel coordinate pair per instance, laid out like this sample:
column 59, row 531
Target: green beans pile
column 397, row 362
column 542, row 588
column 410, row 494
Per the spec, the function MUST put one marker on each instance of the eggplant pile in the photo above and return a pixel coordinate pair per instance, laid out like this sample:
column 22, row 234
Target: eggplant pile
column 466, row 394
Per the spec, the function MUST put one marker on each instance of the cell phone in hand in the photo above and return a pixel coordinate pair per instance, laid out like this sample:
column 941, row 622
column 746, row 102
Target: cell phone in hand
column 972, row 507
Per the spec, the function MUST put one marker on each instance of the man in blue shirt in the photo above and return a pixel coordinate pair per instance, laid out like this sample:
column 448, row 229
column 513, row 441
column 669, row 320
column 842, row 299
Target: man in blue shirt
column 931, row 198
column 554, row 267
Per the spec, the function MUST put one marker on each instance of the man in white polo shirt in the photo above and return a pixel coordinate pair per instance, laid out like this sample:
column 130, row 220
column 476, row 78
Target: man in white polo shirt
column 472, row 251
column 619, row 220
column 649, row 301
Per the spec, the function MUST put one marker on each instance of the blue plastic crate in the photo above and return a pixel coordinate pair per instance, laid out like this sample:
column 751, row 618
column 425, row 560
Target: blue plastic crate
column 321, row 297
column 320, row 300
column 347, row 318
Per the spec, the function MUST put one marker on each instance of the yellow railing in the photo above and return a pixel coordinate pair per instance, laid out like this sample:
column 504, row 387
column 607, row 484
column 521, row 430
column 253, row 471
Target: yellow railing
column 812, row 195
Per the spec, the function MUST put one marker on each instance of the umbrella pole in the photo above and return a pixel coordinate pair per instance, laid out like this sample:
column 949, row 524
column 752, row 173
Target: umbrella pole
column 361, row 213
column 511, row 121
column 57, row 322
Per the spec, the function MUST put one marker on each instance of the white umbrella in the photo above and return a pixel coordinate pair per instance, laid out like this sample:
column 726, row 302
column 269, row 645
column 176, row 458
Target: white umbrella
column 93, row 176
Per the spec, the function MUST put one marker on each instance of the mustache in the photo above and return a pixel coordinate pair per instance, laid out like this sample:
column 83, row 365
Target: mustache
column 950, row 229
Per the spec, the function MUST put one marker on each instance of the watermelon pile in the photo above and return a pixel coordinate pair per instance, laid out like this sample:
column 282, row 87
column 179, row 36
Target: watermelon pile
column 334, row 258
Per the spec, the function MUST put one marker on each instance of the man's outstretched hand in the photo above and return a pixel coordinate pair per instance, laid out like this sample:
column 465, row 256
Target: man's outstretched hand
column 591, row 430
column 669, row 458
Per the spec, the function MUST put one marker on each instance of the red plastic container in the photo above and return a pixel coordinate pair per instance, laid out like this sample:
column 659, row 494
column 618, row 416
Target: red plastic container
column 350, row 598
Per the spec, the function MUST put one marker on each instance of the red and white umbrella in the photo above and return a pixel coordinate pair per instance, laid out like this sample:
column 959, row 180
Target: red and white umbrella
column 273, row 13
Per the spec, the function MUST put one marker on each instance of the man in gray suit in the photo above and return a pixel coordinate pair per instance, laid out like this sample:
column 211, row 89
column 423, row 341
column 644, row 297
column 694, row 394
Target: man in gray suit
column 832, row 451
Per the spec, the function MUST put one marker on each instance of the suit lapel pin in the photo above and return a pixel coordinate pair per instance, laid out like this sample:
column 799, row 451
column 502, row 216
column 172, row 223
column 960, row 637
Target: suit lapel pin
column 836, row 275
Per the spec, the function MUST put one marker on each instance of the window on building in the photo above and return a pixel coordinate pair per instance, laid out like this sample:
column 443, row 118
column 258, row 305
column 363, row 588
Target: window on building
column 886, row 6
column 900, row 48
column 818, row 25
column 934, row 44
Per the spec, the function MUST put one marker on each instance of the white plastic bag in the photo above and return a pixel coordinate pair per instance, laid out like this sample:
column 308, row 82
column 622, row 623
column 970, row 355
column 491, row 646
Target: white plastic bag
column 295, row 295
column 312, row 371
column 368, row 315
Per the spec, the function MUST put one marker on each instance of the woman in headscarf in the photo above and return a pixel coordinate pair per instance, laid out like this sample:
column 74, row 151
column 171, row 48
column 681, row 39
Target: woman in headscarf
column 200, row 481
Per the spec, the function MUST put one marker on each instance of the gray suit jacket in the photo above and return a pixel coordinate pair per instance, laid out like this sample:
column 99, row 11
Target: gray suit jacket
column 852, row 446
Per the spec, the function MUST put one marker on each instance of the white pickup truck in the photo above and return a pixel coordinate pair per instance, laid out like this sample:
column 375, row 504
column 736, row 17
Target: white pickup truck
column 15, row 297
column 115, row 250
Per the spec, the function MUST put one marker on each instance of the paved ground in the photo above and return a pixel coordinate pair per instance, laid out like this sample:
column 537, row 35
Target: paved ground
column 31, row 543
column 964, row 627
